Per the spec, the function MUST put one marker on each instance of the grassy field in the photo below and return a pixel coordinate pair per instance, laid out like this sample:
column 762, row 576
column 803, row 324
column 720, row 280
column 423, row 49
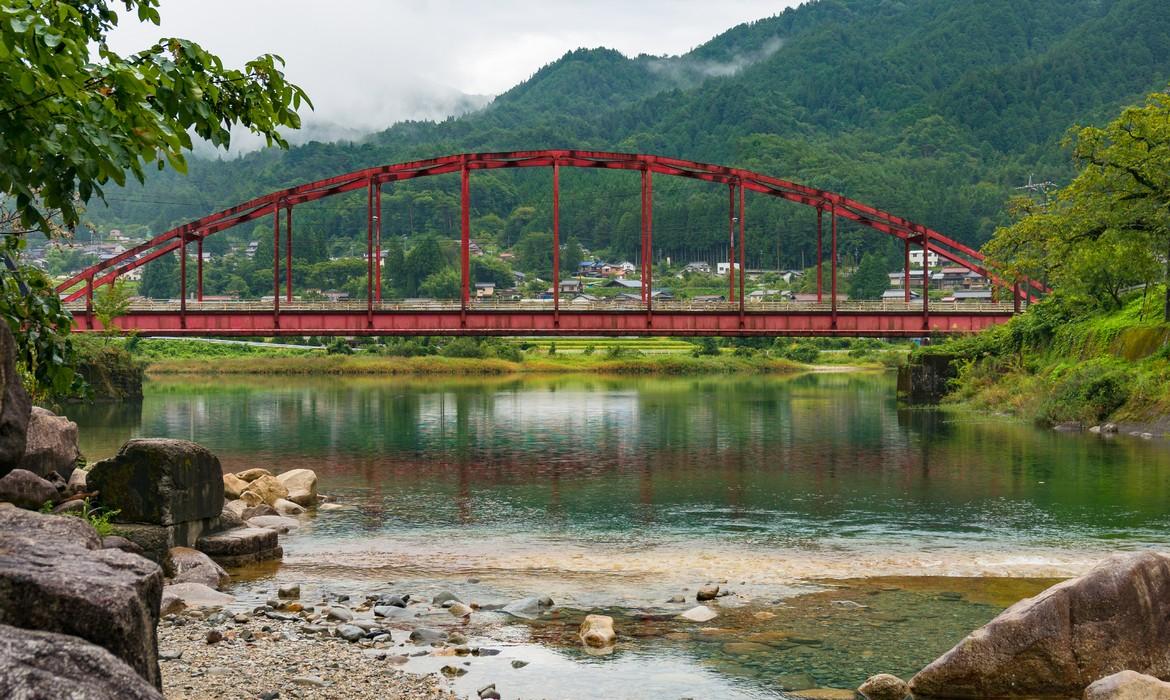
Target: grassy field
column 498, row 356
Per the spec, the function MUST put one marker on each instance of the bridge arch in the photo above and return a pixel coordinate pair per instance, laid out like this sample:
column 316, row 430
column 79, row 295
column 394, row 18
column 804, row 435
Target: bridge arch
column 738, row 180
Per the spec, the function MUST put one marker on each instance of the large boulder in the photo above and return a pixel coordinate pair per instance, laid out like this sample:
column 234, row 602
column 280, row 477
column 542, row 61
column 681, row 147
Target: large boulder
column 1128, row 685
column 186, row 565
column 55, row 577
column 51, row 445
column 301, row 485
column 241, row 545
column 179, row 596
column 160, row 482
column 268, row 488
column 233, row 486
column 1058, row 642
column 48, row 666
column 15, row 406
column 24, row 489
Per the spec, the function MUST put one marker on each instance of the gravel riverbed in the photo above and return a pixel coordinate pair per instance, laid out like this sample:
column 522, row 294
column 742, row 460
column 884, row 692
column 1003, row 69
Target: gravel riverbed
column 257, row 657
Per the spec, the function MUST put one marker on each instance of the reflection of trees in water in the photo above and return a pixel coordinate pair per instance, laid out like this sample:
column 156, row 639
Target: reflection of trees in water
column 641, row 452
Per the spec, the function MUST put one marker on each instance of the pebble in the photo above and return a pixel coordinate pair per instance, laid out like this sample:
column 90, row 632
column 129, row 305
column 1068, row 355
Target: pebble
column 214, row 637
column 488, row 692
column 339, row 614
column 707, row 593
column 459, row 610
column 350, row 633
column 313, row 681
column 517, row 663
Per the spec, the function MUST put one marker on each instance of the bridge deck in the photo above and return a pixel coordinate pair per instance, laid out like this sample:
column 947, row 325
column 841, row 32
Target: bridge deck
column 481, row 317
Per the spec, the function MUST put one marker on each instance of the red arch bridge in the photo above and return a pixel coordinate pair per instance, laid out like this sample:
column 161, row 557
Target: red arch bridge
column 283, row 315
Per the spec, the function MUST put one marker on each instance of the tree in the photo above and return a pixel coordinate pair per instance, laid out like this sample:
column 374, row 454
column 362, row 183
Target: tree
column 445, row 284
column 75, row 115
column 112, row 302
column 160, row 278
column 493, row 270
column 571, row 256
column 392, row 266
column 1110, row 227
column 534, row 253
column 423, row 260
column 870, row 279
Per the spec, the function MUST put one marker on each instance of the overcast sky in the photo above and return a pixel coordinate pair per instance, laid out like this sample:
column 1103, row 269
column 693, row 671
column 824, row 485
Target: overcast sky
column 369, row 63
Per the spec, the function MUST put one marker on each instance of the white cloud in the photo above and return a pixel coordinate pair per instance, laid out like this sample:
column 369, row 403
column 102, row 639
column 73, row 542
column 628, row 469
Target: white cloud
column 369, row 63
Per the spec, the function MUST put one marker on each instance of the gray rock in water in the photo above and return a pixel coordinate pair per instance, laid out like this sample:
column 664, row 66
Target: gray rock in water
column 445, row 597
column 229, row 518
column 395, row 600
column 707, row 593
column 426, row 635
column 291, row 590
column 54, row 577
column 1063, row 639
column 48, row 666
column 192, row 595
column 884, row 686
column 340, row 614
column 1128, row 685
column 350, row 633
column 279, row 523
column 260, row 510
column 24, row 489
column 517, row 663
column 51, row 444
column 15, row 406
column 527, row 608
column 392, row 612
column 160, row 481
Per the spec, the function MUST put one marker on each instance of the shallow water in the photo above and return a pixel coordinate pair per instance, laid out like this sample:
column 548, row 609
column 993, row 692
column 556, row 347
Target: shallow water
column 618, row 493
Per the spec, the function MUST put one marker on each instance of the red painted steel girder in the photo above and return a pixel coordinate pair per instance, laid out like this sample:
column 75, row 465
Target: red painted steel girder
column 108, row 270
column 454, row 322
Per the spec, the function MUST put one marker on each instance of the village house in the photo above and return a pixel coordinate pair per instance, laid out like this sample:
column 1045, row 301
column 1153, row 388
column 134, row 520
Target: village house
column 485, row 289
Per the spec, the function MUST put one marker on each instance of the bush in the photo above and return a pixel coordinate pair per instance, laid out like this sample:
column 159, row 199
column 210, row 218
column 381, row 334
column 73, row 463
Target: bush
column 507, row 351
column 339, row 346
column 618, row 351
column 708, row 346
column 1088, row 391
column 552, row 348
column 798, row 352
column 589, row 350
column 462, row 347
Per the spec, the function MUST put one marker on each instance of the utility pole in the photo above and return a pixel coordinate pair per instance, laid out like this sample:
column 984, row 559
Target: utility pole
column 1039, row 187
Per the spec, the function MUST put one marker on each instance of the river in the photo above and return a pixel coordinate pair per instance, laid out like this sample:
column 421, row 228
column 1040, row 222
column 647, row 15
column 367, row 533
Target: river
column 856, row 537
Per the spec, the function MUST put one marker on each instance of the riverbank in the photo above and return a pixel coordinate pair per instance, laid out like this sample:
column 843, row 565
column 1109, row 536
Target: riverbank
column 1058, row 365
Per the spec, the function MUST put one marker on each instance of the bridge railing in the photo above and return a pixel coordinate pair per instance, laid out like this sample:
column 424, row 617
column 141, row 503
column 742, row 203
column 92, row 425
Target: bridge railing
column 546, row 306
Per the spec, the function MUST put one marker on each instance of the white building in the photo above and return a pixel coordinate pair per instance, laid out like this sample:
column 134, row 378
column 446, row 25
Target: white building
column 722, row 268
column 916, row 258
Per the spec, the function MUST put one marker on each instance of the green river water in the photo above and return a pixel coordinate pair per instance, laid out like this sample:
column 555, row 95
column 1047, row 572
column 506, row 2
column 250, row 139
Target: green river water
column 856, row 537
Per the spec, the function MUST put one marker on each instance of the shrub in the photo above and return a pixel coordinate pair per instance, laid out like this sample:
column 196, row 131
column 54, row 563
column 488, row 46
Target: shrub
column 708, row 346
column 798, row 352
column 462, row 347
column 1088, row 391
column 339, row 346
column 552, row 348
column 589, row 350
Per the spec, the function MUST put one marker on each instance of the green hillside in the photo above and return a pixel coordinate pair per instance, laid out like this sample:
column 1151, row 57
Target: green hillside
column 932, row 109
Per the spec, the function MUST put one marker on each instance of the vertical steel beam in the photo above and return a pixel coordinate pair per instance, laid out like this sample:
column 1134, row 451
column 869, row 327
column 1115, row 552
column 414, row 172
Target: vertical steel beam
column 906, row 269
column 820, row 254
column 648, row 222
column 925, row 278
column 833, row 261
column 275, row 264
column 731, row 241
column 742, row 246
column 556, row 225
column 288, row 253
column 1016, row 297
column 370, row 253
column 89, row 302
column 378, row 242
column 183, row 278
column 199, row 269
column 465, row 231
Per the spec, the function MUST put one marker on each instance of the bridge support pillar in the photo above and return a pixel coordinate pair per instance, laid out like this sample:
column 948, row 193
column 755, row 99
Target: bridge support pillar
column 378, row 242
column 288, row 252
column 648, row 243
column 89, row 302
column 731, row 241
column 183, row 278
column 556, row 226
column 742, row 245
column 906, row 269
column 199, row 269
column 833, row 263
column 820, row 255
column 465, row 238
column 276, row 264
column 925, row 278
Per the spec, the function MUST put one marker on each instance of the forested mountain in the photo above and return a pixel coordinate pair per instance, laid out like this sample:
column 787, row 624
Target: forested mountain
column 932, row 109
